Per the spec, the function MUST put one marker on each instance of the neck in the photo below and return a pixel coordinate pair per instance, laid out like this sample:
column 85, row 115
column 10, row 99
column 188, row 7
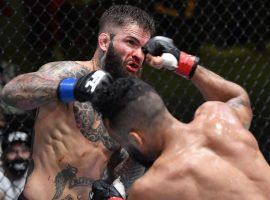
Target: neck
column 97, row 59
column 173, row 135
column 93, row 64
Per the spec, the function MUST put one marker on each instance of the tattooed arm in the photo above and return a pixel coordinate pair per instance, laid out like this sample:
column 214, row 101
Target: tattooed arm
column 215, row 88
column 31, row 90
column 121, row 165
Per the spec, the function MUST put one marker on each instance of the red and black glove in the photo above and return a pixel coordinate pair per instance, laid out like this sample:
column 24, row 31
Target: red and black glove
column 104, row 191
column 173, row 59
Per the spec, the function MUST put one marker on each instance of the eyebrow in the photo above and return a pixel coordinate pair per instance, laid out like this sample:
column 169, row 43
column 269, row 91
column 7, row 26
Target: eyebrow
column 134, row 38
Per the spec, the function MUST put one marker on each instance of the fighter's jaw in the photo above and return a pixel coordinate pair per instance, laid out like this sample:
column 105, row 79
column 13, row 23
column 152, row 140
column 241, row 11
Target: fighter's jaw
column 133, row 69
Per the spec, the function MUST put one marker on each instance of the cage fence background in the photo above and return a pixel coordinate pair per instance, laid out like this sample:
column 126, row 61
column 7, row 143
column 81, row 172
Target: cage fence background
column 230, row 37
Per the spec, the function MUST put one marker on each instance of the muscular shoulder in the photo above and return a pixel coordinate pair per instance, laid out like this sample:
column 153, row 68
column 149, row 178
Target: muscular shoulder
column 160, row 182
column 64, row 69
column 143, row 189
column 224, row 127
column 215, row 110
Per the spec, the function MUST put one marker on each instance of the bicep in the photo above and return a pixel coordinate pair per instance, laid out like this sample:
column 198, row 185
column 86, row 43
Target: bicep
column 30, row 90
column 241, row 106
column 63, row 69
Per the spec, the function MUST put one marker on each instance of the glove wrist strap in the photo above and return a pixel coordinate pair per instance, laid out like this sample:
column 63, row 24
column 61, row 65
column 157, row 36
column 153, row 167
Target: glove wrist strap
column 187, row 65
column 65, row 90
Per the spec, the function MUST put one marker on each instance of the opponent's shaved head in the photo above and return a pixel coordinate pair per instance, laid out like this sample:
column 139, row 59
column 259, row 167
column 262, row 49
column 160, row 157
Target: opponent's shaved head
column 129, row 104
column 122, row 15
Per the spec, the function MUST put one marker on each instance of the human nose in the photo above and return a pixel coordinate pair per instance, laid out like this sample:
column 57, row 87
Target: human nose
column 22, row 154
column 138, row 55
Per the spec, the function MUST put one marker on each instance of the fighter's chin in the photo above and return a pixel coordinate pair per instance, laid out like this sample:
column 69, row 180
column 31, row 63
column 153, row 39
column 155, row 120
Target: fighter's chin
column 132, row 71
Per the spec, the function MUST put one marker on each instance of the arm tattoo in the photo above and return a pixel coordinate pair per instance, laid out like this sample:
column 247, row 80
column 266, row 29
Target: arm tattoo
column 129, row 171
column 121, row 165
column 31, row 90
column 238, row 103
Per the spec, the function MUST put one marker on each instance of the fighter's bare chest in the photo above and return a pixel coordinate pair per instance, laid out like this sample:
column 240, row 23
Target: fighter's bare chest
column 90, row 124
column 87, row 119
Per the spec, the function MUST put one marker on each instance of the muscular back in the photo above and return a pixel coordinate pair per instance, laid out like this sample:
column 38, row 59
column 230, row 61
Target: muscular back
column 220, row 161
column 71, row 147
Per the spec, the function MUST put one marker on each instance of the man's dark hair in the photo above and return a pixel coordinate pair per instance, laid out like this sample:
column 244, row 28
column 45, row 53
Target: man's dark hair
column 129, row 103
column 10, row 138
column 121, row 15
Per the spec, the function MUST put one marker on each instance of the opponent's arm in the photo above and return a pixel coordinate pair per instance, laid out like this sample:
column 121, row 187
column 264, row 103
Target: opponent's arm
column 213, row 87
column 64, row 81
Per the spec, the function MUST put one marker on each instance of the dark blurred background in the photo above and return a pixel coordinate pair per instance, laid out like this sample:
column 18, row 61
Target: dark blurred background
column 230, row 37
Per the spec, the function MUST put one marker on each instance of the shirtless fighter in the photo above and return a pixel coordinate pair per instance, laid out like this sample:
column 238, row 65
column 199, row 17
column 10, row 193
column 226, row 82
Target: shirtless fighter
column 212, row 157
column 71, row 147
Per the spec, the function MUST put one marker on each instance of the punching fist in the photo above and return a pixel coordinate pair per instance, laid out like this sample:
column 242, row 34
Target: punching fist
column 104, row 191
column 83, row 89
column 171, row 57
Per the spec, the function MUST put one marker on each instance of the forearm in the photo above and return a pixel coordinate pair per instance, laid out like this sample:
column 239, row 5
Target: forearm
column 215, row 88
column 29, row 91
column 129, row 171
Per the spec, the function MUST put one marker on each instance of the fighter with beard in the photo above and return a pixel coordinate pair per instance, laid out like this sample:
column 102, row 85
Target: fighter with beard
column 71, row 147
column 15, row 159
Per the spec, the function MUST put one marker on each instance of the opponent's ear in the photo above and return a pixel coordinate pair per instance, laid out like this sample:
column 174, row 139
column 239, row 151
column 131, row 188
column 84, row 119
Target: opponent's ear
column 104, row 41
column 136, row 137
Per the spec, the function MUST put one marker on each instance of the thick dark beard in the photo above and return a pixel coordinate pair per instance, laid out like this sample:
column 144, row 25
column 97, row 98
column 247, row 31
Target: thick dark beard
column 113, row 63
column 11, row 167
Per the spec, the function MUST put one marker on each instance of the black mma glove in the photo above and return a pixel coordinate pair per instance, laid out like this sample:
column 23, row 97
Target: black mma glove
column 83, row 88
column 173, row 59
column 104, row 191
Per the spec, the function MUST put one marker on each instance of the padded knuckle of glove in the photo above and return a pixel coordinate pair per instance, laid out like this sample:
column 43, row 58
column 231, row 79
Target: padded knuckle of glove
column 182, row 63
column 82, row 89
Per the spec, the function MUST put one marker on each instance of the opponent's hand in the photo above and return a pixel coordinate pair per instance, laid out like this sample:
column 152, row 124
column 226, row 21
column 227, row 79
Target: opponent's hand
column 165, row 54
column 104, row 191
column 83, row 89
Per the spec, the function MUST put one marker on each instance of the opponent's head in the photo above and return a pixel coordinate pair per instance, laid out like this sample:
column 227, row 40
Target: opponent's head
column 132, row 112
column 16, row 153
column 123, row 31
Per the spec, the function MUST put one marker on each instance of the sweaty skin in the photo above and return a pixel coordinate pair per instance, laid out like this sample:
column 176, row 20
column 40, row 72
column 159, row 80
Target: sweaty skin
column 71, row 147
column 212, row 157
column 221, row 160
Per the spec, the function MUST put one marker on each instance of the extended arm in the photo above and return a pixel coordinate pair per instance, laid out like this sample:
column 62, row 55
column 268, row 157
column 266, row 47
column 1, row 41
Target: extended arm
column 64, row 81
column 213, row 87
column 28, row 91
